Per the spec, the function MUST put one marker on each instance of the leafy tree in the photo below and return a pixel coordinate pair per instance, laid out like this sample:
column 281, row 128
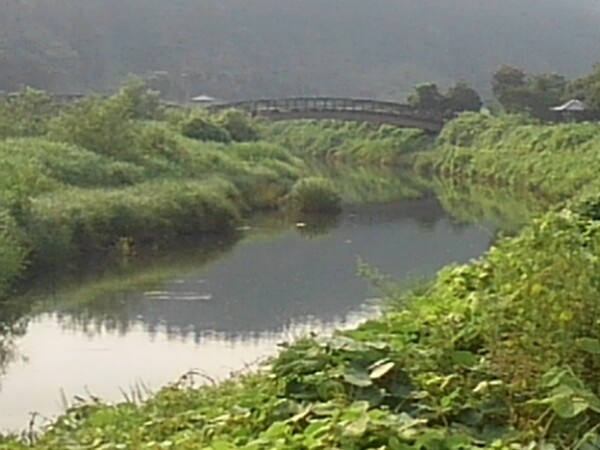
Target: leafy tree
column 102, row 126
column 160, row 82
column 587, row 89
column 458, row 98
column 26, row 113
column 519, row 92
column 239, row 125
column 143, row 103
column 203, row 130
column 462, row 97
column 505, row 85
column 428, row 97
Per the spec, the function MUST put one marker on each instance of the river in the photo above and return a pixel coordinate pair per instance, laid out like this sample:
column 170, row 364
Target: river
column 127, row 330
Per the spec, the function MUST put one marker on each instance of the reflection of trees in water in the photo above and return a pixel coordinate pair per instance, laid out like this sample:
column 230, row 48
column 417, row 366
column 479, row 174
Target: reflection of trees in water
column 13, row 324
column 257, row 292
column 425, row 211
column 97, row 299
column 117, row 303
column 468, row 203
column 367, row 185
column 182, row 326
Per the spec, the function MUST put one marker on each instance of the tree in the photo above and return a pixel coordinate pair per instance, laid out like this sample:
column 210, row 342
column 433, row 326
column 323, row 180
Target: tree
column 160, row 82
column 462, row 97
column 506, row 83
column 458, row 98
column 427, row 97
column 587, row 89
column 519, row 92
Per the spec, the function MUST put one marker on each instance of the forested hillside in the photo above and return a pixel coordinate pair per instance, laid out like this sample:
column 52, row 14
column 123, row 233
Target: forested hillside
column 237, row 49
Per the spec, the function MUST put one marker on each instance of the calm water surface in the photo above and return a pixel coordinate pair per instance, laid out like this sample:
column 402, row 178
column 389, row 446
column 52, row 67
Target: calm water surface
column 110, row 335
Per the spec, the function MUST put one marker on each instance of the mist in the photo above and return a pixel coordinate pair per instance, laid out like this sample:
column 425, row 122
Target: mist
column 237, row 49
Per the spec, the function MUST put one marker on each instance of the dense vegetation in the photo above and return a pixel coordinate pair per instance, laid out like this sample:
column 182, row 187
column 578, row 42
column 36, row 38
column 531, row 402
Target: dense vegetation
column 498, row 354
column 233, row 49
column 103, row 175
column 348, row 142
column 85, row 179
column 535, row 95
column 556, row 161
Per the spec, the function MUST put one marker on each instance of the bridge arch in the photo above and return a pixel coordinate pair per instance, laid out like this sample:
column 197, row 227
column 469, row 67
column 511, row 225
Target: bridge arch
column 357, row 110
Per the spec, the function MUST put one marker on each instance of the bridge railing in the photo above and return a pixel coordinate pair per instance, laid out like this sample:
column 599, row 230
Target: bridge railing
column 304, row 104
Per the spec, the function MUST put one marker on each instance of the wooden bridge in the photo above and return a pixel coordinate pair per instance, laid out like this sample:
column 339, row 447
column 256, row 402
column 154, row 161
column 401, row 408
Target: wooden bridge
column 356, row 110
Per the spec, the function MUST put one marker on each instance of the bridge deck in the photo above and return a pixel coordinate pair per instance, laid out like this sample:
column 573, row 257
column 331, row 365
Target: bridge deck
column 374, row 111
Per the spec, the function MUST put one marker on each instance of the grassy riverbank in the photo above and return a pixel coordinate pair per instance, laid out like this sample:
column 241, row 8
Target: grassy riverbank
column 504, row 350
column 103, row 175
column 500, row 354
column 555, row 161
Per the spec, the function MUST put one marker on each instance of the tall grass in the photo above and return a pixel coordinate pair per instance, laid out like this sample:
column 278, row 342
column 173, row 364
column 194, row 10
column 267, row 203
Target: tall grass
column 554, row 160
column 93, row 173
column 347, row 141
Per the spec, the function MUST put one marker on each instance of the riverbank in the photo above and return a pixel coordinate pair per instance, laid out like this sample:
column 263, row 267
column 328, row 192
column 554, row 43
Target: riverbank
column 112, row 175
column 501, row 353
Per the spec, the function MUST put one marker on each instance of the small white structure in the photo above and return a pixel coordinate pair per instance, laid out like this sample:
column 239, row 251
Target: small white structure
column 571, row 106
column 204, row 100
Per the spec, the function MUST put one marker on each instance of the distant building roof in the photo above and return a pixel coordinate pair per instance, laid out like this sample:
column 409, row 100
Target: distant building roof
column 203, row 99
column 571, row 105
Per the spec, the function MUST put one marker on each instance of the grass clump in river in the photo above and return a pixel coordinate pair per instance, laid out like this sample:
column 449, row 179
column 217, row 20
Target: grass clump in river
column 314, row 195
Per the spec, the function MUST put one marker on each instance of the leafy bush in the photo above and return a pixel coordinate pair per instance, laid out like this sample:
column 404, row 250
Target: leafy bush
column 13, row 253
column 65, row 223
column 553, row 160
column 346, row 141
column 26, row 114
column 200, row 128
column 102, row 126
column 314, row 195
column 159, row 140
column 239, row 125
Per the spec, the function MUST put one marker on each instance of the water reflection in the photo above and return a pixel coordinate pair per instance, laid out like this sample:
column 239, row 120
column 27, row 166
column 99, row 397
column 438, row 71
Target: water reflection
column 63, row 363
column 264, row 286
column 217, row 306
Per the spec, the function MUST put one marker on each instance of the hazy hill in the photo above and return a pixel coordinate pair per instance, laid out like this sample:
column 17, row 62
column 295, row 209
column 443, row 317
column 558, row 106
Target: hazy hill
column 253, row 48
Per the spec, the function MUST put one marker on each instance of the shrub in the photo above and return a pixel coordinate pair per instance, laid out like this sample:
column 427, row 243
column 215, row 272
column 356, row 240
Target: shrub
column 202, row 130
column 33, row 160
column 158, row 139
column 314, row 195
column 26, row 114
column 239, row 125
column 102, row 126
column 81, row 220
column 13, row 253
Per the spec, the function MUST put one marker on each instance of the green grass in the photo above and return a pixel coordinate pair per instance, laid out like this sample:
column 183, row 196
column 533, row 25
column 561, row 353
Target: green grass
column 348, row 142
column 81, row 178
column 502, row 353
column 556, row 161
column 496, row 354
column 103, row 171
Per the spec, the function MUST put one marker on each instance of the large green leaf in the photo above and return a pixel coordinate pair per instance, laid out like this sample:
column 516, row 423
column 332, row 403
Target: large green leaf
column 380, row 370
column 358, row 378
column 589, row 345
column 568, row 407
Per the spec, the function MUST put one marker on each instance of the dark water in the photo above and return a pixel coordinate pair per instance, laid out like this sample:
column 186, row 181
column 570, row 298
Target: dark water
column 135, row 330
